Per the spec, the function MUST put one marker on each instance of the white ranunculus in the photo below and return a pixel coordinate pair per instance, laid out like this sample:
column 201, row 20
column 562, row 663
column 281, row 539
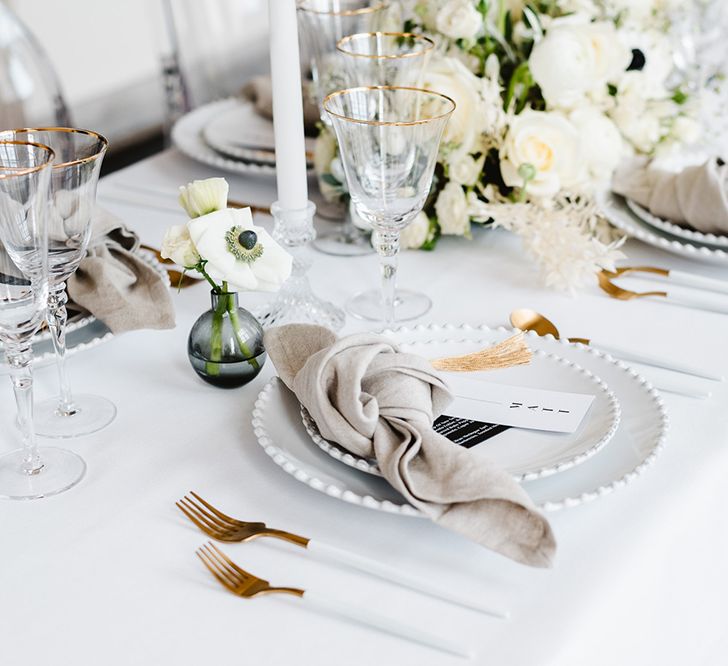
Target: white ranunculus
column 266, row 273
column 415, row 234
column 201, row 197
column 547, row 142
column 601, row 143
column 575, row 59
column 459, row 19
column 466, row 169
column 451, row 209
column 450, row 77
column 178, row 246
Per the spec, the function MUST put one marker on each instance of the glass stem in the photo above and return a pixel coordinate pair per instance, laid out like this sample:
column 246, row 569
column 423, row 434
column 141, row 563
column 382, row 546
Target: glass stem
column 57, row 317
column 19, row 357
column 387, row 245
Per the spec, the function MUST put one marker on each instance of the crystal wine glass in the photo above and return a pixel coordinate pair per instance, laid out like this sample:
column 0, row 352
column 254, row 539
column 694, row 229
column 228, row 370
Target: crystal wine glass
column 25, row 171
column 324, row 23
column 389, row 139
column 385, row 58
column 74, row 177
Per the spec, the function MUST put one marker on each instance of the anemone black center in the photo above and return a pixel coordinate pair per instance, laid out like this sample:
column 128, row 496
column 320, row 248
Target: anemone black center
column 248, row 239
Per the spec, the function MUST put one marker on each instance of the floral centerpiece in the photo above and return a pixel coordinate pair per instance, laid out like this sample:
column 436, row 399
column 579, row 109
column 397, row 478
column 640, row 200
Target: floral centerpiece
column 551, row 95
column 224, row 246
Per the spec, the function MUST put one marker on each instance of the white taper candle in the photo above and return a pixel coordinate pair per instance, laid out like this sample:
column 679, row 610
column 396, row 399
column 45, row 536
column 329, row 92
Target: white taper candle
column 287, row 105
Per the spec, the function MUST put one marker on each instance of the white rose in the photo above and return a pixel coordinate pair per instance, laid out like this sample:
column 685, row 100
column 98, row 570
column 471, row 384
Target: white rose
column 265, row 273
column 466, row 169
column 178, row 246
column 575, row 59
column 450, row 77
column 451, row 209
column 201, row 197
column 547, row 142
column 415, row 234
column 458, row 19
column 601, row 143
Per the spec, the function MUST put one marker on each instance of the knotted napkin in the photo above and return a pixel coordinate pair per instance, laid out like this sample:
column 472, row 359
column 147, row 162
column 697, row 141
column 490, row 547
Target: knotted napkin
column 696, row 197
column 376, row 401
column 115, row 285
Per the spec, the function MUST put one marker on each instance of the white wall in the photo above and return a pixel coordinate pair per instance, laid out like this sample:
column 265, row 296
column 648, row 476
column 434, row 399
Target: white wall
column 107, row 54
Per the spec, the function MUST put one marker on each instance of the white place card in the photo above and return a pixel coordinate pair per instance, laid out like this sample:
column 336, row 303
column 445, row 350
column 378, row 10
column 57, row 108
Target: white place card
column 517, row 406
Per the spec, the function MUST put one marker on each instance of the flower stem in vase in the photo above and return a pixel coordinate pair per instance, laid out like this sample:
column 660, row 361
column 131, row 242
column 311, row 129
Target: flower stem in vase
column 212, row 367
column 232, row 311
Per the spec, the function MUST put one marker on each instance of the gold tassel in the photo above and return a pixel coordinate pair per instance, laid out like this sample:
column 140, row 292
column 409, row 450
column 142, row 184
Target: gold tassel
column 510, row 352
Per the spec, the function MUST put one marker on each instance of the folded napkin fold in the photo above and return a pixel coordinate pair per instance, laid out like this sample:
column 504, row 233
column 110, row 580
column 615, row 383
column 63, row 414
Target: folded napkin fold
column 696, row 197
column 259, row 91
column 376, row 401
column 116, row 285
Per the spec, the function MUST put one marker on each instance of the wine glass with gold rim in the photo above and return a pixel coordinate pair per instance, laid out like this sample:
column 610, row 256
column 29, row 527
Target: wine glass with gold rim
column 389, row 138
column 74, row 177
column 25, row 172
column 323, row 24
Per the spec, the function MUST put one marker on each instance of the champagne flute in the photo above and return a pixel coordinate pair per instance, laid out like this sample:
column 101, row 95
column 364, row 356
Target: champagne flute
column 323, row 24
column 25, row 171
column 74, row 176
column 389, row 138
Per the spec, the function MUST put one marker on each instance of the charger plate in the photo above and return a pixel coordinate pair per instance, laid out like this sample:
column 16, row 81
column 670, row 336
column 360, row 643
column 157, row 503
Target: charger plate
column 690, row 235
column 615, row 209
column 525, row 454
column 636, row 443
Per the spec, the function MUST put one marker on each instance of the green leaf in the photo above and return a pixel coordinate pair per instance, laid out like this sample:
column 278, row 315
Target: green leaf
column 330, row 180
column 679, row 97
column 612, row 89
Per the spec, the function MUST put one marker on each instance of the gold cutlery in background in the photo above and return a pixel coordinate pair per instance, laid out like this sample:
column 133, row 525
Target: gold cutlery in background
column 222, row 527
column 244, row 584
column 530, row 320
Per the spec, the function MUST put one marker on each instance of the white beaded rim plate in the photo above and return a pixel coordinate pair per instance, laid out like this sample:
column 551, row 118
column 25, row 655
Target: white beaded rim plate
column 616, row 210
column 634, row 448
column 525, row 454
column 673, row 229
column 84, row 331
column 188, row 136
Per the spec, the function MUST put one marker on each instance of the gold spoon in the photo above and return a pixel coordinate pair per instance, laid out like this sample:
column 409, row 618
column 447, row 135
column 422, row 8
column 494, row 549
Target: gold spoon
column 530, row 320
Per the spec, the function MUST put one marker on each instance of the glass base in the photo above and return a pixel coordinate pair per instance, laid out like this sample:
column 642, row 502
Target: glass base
column 296, row 307
column 92, row 413
column 408, row 305
column 61, row 470
column 344, row 243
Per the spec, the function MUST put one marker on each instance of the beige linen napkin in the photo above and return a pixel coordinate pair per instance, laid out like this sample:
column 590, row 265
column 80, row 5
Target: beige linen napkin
column 696, row 197
column 115, row 285
column 378, row 402
column 260, row 92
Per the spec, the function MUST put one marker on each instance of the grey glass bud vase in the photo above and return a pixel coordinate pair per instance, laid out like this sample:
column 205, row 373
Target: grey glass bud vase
column 225, row 345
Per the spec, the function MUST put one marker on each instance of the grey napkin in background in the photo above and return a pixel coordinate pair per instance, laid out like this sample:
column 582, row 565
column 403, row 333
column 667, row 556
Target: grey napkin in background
column 696, row 197
column 260, row 92
column 115, row 285
column 377, row 402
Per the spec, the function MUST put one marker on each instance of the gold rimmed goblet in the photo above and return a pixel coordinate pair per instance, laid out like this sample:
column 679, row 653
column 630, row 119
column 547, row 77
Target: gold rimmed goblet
column 74, row 176
column 25, row 171
column 389, row 138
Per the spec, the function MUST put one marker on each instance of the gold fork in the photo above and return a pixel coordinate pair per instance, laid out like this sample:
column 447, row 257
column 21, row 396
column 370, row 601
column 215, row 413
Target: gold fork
column 244, row 584
column 222, row 527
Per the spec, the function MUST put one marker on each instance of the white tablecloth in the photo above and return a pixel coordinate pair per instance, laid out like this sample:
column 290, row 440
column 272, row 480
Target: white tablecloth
column 106, row 573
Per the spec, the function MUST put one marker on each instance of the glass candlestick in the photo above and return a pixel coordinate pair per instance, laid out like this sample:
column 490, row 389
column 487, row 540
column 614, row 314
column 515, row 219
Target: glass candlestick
column 296, row 302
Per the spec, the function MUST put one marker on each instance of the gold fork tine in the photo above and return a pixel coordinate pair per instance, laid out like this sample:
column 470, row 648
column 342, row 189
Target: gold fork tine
column 230, row 563
column 209, row 530
column 209, row 517
column 212, row 568
column 217, row 512
column 231, row 576
column 236, row 574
